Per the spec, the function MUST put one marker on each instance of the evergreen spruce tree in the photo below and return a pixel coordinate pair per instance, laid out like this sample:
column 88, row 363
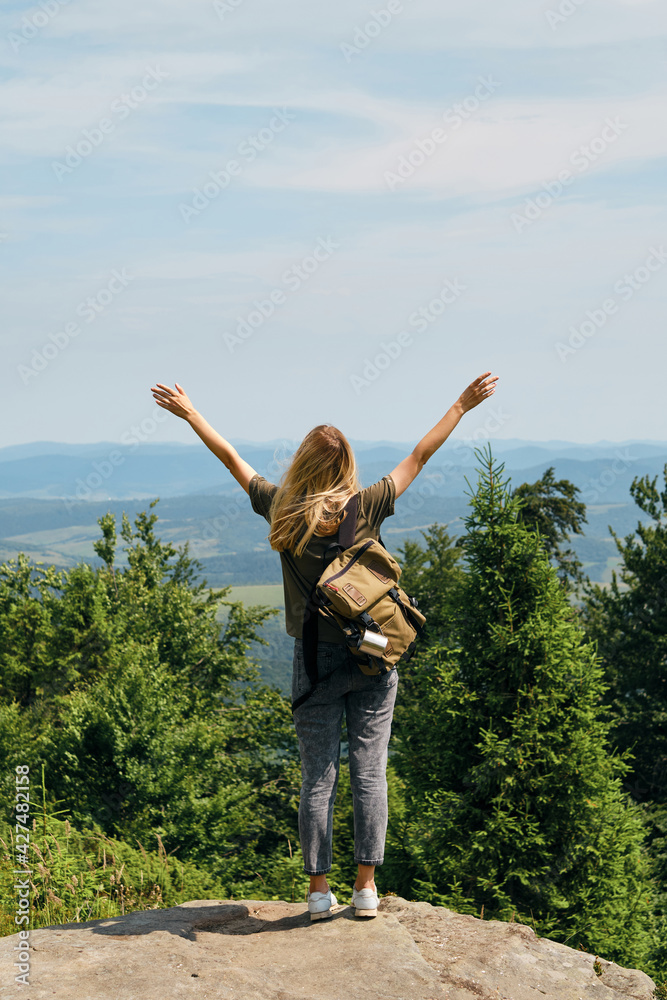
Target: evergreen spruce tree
column 552, row 508
column 515, row 801
column 628, row 620
column 429, row 574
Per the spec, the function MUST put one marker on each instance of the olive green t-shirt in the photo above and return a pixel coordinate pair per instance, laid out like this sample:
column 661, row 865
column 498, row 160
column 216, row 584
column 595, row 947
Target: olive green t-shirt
column 374, row 504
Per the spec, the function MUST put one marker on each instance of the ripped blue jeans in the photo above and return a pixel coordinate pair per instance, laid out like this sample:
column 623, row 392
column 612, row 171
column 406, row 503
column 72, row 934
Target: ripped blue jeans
column 368, row 703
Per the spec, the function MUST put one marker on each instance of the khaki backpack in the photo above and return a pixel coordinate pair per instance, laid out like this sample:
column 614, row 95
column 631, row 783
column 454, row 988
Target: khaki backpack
column 359, row 592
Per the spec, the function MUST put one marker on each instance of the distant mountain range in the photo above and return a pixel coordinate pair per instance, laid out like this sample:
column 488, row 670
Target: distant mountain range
column 117, row 471
column 51, row 496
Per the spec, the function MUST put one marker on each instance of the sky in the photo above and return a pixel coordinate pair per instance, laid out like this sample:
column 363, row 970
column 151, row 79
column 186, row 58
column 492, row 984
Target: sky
column 340, row 214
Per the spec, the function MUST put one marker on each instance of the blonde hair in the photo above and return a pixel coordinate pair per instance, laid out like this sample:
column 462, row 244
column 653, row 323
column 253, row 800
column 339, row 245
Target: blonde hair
column 321, row 478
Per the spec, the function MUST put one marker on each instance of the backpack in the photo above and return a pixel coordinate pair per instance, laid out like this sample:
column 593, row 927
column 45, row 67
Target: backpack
column 358, row 591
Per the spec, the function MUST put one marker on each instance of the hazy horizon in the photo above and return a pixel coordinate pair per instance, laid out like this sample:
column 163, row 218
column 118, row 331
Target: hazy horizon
column 356, row 442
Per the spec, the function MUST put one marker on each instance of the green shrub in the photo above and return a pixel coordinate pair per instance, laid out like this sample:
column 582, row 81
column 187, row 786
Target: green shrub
column 85, row 875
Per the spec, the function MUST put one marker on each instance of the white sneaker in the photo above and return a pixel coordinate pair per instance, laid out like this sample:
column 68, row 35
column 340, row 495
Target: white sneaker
column 320, row 903
column 365, row 901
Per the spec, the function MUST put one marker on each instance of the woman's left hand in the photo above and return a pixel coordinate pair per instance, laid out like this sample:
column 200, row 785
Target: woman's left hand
column 478, row 391
column 174, row 400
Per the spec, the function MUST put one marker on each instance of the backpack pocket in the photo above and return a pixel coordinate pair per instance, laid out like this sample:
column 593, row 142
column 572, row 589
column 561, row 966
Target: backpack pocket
column 359, row 578
column 359, row 590
column 400, row 634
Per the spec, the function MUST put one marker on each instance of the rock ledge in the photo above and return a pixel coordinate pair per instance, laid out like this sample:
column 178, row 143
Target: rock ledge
column 258, row 950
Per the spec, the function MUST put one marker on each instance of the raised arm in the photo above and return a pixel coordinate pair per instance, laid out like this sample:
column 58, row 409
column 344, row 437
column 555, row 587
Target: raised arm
column 176, row 401
column 410, row 467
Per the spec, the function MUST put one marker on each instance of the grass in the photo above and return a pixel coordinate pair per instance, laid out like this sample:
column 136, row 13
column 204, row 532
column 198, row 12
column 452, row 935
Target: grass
column 270, row 594
column 78, row 876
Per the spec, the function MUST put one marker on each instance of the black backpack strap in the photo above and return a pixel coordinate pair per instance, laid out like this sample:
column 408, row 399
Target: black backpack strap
column 348, row 529
column 407, row 614
column 346, row 534
column 311, row 615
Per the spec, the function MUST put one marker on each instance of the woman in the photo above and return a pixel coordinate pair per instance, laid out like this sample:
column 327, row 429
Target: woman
column 304, row 511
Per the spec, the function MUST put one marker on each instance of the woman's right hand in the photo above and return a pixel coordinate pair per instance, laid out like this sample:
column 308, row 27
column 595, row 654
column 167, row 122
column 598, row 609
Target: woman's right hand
column 174, row 400
column 477, row 391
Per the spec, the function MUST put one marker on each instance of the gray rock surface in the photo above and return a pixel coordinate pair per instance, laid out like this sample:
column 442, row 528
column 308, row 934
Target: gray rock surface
column 258, row 950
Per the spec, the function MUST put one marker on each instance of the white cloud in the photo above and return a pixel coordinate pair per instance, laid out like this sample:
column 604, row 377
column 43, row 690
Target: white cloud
column 424, row 24
column 506, row 148
column 325, row 173
column 41, row 114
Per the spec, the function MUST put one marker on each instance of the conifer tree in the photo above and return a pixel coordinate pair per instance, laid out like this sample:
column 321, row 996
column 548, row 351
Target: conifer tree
column 552, row 508
column 429, row 574
column 515, row 800
column 628, row 620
